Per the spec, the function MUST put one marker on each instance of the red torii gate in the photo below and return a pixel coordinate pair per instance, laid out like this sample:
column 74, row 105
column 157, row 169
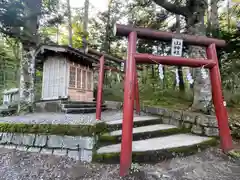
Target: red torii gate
column 130, row 78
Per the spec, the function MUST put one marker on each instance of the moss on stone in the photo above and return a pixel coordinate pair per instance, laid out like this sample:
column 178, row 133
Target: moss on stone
column 155, row 155
column 107, row 139
column 234, row 154
column 113, row 127
column 57, row 129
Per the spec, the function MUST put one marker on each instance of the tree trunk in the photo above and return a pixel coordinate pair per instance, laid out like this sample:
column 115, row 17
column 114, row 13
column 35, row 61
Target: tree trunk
column 107, row 35
column 215, row 23
column 27, row 64
column 214, row 18
column 208, row 33
column 194, row 11
column 69, row 23
column 27, row 74
column 202, row 100
column 85, row 23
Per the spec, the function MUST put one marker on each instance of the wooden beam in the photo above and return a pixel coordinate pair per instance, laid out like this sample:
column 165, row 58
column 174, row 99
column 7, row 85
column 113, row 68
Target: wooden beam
column 145, row 33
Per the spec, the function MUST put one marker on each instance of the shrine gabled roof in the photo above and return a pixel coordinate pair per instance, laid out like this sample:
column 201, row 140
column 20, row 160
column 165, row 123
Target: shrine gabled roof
column 44, row 50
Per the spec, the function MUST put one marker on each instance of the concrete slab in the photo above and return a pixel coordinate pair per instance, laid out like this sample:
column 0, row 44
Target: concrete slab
column 136, row 119
column 150, row 128
column 160, row 143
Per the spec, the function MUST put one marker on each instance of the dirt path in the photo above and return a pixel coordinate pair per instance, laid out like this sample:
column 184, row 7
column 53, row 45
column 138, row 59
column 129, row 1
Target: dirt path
column 207, row 165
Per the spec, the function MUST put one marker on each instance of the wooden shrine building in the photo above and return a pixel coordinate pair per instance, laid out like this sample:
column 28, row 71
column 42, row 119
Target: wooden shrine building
column 67, row 73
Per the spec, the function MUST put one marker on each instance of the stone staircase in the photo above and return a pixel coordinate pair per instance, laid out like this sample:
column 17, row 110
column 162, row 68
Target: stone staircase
column 152, row 141
column 67, row 106
column 75, row 107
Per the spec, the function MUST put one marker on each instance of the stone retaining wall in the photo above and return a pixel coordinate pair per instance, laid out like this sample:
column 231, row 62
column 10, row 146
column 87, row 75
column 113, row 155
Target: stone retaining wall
column 113, row 105
column 77, row 147
column 198, row 123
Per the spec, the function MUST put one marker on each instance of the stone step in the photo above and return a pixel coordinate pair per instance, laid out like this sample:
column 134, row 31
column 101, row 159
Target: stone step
column 81, row 110
column 154, row 149
column 138, row 121
column 80, row 105
column 79, row 102
column 143, row 132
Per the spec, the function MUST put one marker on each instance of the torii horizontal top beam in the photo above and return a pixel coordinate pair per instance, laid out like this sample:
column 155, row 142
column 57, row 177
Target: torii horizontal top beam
column 145, row 33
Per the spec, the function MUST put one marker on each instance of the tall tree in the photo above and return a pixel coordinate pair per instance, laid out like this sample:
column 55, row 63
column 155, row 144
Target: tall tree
column 85, row 23
column 214, row 18
column 194, row 11
column 19, row 19
column 27, row 65
column 69, row 14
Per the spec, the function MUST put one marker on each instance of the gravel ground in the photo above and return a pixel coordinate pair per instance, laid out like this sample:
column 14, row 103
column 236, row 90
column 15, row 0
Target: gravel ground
column 207, row 165
column 61, row 118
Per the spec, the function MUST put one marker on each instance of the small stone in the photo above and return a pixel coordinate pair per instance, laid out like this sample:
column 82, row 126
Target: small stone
column 177, row 115
column 152, row 110
column 17, row 139
column 55, row 141
column 10, row 146
column 33, row 149
column 206, row 120
column 73, row 154
column 6, row 138
column 165, row 120
column 197, row 129
column 40, row 141
column 85, row 155
column 187, row 125
column 175, row 122
column 60, row 152
column 167, row 113
column 21, row 148
column 161, row 111
column 88, row 142
column 46, row 151
column 28, row 139
column 211, row 131
column 70, row 142
column 189, row 117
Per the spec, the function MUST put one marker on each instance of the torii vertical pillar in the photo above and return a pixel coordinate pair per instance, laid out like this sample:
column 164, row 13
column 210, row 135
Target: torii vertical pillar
column 100, row 89
column 127, row 124
column 217, row 96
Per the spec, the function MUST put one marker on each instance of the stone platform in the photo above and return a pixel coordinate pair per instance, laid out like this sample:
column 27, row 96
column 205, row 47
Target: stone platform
column 62, row 118
column 83, row 138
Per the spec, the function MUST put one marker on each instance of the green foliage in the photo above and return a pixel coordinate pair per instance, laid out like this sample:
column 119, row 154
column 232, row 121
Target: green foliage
column 115, row 93
column 8, row 67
